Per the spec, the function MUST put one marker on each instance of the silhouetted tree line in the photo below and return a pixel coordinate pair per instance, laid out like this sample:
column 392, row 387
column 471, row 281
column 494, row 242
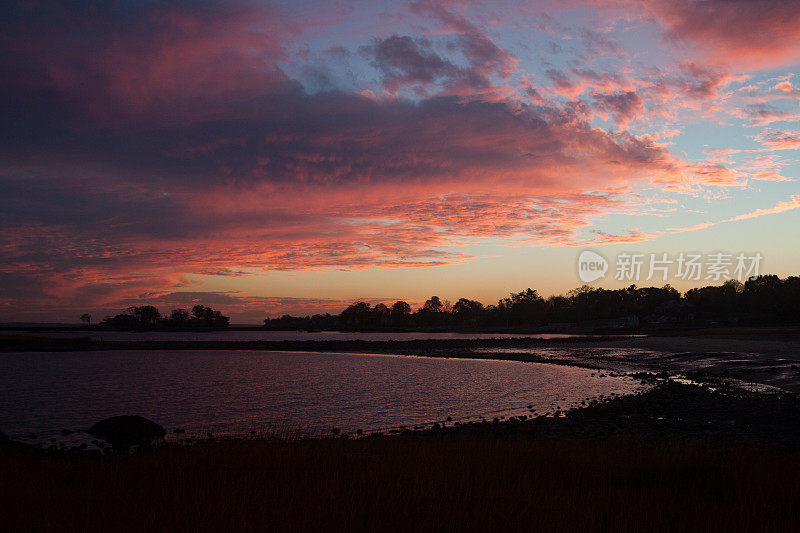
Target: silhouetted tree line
column 147, row 317
column 762, row 300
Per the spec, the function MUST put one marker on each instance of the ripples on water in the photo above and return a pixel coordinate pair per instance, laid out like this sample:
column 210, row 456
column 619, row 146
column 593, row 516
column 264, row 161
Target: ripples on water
column 235, row 392
column 264, row 335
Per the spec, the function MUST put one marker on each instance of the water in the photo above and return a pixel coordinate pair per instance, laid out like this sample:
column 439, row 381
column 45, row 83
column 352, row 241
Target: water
column 264, row 335
column 235, row 392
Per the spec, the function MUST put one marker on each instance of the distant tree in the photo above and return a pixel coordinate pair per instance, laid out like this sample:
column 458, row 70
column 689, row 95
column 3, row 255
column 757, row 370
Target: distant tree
column 381, row 314
column 523, row 308
column 86, row 317
column 762, row 299
column 432, row 313
column 201, row 312
column 734, row 284
column 137, row 317
column 120, row 321
column 790, row 299
column 400, row 313
column 467, row 312
column 401, row 308
column 764, row 295
column 357, row 314
column 145, row 315
column 148, row 317
column 714, row 302
column 433, row 305
column 208, row 317
column 178, row 317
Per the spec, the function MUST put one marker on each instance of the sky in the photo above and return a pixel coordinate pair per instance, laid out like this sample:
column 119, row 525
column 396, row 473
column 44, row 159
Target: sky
column 293, row 157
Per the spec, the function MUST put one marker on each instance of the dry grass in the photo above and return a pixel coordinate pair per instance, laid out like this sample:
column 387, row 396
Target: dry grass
column 452, row 480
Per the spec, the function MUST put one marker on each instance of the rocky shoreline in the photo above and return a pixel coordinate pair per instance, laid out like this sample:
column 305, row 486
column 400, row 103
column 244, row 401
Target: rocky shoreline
column 670, row 410
column 722, row 364
column 680, row 455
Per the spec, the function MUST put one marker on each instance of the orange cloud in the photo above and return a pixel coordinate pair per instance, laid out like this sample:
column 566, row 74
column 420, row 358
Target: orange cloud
column 169, row 143
column 780, row 207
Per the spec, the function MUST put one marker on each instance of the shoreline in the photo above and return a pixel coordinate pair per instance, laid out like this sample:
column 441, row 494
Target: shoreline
column 624, row 464
column 620, row 463
column 653, row 360
column 765, row 358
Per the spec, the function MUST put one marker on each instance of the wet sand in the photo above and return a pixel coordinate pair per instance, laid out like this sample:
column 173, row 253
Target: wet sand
column 759, row 359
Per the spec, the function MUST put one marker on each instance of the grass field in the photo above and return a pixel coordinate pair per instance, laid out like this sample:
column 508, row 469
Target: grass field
column 452, row 480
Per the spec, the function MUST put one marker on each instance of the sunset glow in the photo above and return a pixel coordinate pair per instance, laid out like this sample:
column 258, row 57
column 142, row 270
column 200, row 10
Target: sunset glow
column 265, row 158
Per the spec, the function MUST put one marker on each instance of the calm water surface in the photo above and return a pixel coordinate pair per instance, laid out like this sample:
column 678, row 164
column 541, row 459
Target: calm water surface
column 234, row 392
column 250, row 335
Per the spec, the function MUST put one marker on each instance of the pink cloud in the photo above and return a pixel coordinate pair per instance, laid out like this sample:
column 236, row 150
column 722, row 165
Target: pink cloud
column 672, row 91
column 170, row 145
column 779, row 139
column 624, row 107
column 765, row 114
column 743, row 33
column 765, row 167
column 128, row 72
column 786, row 88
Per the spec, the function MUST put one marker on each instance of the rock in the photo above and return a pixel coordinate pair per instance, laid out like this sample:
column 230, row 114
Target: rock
column 125, row 431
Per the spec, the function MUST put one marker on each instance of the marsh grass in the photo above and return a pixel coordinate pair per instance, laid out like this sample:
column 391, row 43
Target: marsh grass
column 452, row 480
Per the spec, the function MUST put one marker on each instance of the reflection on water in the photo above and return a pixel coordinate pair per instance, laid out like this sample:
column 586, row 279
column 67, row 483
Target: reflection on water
column 264, row 335
column 233, row 392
